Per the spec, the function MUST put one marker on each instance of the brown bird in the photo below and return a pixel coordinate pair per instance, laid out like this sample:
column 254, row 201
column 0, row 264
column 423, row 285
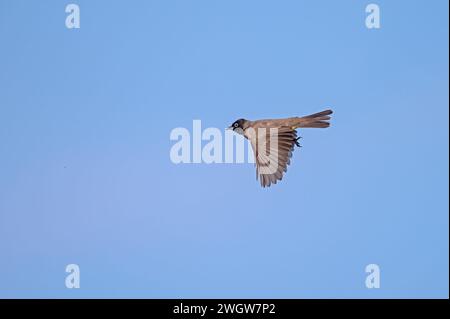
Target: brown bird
column 273, row 142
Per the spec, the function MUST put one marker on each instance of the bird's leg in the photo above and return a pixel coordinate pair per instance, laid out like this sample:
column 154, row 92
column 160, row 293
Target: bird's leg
column 297, row 142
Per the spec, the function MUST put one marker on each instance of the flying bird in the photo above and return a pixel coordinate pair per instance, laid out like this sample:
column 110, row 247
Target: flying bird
column 274, row 140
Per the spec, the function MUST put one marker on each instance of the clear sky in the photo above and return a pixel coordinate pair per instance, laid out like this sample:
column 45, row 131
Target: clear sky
column 86, row 177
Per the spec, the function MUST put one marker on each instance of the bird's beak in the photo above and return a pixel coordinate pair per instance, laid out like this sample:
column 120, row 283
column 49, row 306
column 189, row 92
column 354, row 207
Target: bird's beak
column 228, row 128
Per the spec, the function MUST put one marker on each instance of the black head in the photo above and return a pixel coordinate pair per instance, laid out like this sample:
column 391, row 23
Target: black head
column 239, row 124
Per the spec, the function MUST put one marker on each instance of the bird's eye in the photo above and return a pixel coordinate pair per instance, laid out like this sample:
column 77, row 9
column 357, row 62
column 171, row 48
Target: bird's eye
column 236, row 124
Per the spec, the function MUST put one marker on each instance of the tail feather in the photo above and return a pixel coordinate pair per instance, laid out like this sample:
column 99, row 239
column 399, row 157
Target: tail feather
column 323, row 113
column 316, row 120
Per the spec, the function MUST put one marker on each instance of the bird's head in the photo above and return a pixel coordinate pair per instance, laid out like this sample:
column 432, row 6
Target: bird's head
column 238, row 126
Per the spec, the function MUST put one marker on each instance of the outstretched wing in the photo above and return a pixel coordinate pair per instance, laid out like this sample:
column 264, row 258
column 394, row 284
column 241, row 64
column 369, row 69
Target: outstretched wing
column 273, row 150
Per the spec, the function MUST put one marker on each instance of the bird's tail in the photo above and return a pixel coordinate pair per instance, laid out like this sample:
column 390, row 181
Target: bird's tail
column 317, row 120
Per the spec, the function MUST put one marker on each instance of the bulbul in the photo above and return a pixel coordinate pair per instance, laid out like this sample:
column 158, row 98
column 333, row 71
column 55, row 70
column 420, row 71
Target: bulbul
column 274, row 140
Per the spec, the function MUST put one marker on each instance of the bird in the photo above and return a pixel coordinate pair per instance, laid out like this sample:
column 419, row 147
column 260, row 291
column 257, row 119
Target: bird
column 274, row 140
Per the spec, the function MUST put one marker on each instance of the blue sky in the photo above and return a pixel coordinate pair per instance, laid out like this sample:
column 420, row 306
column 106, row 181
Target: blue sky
column 86, row 178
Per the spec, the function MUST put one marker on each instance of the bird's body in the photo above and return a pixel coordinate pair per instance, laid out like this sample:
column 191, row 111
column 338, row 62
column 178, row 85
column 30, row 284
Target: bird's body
column 273, row 141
